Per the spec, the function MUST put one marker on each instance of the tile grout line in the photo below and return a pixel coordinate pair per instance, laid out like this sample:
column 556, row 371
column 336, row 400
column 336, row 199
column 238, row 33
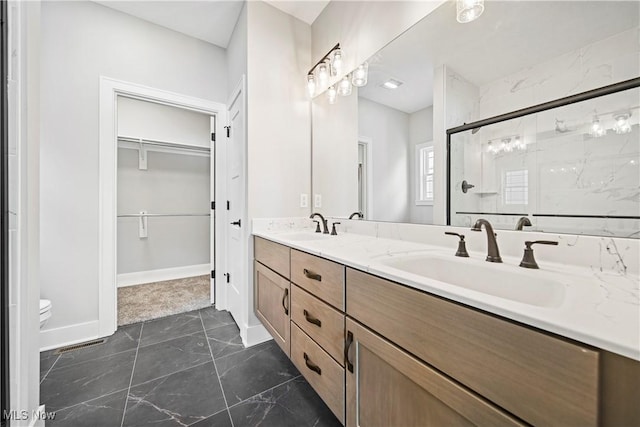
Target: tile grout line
column 215, row 367
column 133, row 369
column 50, row 369
column 269, row 389
column 89, row 400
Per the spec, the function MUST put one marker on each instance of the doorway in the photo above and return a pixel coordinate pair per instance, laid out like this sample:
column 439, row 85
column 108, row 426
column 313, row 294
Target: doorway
column 165, row 185
column 111, row 94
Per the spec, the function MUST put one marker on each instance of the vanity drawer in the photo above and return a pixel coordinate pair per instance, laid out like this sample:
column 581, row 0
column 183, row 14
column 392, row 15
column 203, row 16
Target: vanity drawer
column 321, row 277
column 324, row 324
column 319, row 369
column 537, row 377
column 273, row 255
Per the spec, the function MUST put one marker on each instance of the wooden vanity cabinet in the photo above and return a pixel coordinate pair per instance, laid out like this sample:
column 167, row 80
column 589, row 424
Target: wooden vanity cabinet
column 272, row 303
column 386, row 386
column 541, row 379
column 272, row 298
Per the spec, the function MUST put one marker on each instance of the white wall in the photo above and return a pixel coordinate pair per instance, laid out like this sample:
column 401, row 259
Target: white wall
column 24, row 188
column 80, row 42
column 388, row 128
column 278, row 121
column 420, row 131
column 237, row 53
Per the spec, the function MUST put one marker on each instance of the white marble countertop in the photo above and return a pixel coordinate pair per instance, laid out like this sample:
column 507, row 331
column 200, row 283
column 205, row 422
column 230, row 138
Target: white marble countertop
column 598, row 308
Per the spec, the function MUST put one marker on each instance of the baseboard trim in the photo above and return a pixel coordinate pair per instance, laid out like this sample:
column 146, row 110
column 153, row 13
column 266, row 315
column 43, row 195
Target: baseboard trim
column 255, row 335
column 69, row 335
column 140, row 277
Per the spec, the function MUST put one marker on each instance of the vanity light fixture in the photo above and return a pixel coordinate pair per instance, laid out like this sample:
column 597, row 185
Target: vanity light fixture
column 330, row 65
column 344, row 87
column 469, row 10
column 323, row 72
column 332, row 94
column 360, row 75
column 392, row 84
column 622, row 123
column 311, row 84
column 506, row 145
column 336, row 64
column 597, row 130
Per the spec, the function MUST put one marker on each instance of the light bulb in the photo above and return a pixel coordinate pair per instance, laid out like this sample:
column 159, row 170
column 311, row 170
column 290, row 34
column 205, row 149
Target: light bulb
column 469, row 10
column 323, row 73
column 344, row 87
column 359, row 76
column 596, row 128
column 311, row 84
column 337, row 62
column 622, row 123
column 331, row 94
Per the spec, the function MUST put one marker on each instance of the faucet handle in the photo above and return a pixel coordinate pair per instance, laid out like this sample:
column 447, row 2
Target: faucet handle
column 318, row 230
column 528, row 260
column 333, row 229
column 462, row 247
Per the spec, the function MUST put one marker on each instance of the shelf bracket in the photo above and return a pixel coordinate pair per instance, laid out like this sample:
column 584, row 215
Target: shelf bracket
column 142, row 157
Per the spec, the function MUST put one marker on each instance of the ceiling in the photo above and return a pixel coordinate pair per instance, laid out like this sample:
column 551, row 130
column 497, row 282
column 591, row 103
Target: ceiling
column 509, row 36
column 210, row 20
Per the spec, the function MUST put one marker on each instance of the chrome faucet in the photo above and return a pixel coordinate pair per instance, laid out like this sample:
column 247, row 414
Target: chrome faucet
column 523, row 222
column 493, row 254
column 356, row 214
column 324, row 222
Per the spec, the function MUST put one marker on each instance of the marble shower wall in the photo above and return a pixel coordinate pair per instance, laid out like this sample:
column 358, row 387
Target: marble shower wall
column 569, row 172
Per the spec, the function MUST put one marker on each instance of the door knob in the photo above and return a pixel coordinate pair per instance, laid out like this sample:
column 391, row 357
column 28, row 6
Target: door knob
column 238, row 223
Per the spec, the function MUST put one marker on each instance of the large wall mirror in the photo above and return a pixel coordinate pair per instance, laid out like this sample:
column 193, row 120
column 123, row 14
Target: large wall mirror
column 373, row 151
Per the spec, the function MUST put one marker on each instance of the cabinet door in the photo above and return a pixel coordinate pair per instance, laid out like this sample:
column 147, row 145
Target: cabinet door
column 388, row 387
column 272, row 304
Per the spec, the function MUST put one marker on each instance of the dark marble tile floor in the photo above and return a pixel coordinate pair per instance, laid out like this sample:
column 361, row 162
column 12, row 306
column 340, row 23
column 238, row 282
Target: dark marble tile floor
column 189, row 369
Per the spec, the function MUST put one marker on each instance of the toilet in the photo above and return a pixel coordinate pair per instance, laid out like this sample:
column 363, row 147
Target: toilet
column 45, row 311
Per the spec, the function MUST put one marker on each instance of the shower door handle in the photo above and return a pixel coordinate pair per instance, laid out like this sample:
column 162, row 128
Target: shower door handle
column 238, row 223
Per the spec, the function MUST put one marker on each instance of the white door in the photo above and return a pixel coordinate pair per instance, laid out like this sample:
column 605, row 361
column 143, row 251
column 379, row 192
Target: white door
column 212, row 223
column 235, row 250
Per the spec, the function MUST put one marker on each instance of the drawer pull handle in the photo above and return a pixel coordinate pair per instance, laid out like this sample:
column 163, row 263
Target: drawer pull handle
column 312, row 319
column 347, row 347
column 313, row 276
column 315, row 368
column 284, row 298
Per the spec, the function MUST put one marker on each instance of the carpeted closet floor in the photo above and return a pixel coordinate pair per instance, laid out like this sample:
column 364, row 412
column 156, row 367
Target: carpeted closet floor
column 159, row 299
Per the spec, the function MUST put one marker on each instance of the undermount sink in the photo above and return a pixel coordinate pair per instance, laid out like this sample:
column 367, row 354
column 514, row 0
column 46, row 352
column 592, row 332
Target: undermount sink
column 500, row 280
column 302, row 236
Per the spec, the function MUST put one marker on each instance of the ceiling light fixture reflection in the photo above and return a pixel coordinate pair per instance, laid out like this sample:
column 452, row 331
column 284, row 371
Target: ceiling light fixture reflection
column 331, row 94
column 344, row 87
column 392, row 84
column 469, row 10
column 360, row 75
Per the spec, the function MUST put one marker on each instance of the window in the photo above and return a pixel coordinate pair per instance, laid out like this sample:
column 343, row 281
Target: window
column 516, row 187
column 424, row 172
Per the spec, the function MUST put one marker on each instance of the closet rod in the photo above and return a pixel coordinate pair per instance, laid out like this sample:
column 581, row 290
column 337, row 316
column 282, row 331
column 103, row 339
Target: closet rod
column 158, row 215
column 164, row 144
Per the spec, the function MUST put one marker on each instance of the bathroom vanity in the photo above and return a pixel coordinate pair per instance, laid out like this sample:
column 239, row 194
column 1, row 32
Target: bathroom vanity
column 380, row 348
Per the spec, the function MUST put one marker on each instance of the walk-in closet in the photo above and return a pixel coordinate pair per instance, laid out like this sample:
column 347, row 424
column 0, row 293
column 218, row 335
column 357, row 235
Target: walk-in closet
column 164, row 222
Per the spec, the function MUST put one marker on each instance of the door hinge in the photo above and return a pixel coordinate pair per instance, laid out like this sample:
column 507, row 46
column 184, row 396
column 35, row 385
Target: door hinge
column 228, row 205
column 228, row 277
column 213, row 274
column 213, row 206
column 213, row 136
column 228, row 128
